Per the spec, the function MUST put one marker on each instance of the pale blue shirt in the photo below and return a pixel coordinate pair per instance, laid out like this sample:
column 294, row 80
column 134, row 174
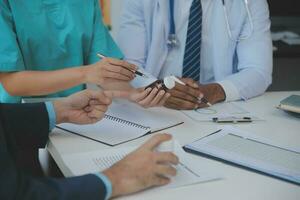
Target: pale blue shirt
column 52, row 122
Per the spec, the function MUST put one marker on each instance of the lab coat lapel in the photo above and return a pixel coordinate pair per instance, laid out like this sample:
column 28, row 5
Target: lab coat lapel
column 158, row 47
column 164, row 14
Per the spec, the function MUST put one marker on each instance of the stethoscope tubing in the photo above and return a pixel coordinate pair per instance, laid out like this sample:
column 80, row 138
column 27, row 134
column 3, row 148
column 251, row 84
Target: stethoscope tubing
column 173, row 28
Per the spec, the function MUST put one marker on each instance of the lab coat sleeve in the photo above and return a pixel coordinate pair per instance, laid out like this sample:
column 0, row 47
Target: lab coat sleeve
column 102, row 41
column 254, row 54
column 10, row 56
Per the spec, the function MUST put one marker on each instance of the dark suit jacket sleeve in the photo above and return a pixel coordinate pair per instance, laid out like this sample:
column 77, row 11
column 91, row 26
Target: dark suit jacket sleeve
column 29, row 122
column 14, row 185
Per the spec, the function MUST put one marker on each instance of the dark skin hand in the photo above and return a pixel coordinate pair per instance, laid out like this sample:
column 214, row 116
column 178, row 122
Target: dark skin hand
column 185, row 97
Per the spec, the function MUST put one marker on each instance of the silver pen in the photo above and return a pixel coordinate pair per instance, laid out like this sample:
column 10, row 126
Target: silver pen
column 136, row 72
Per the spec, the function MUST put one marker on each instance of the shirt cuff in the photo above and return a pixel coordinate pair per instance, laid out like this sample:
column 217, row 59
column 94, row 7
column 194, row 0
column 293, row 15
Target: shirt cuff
column 51, row 114
column 107, row 184
column 231, row 92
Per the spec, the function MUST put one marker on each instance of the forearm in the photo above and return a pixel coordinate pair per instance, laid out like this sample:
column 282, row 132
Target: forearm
column 35, row 83
column 117, row 86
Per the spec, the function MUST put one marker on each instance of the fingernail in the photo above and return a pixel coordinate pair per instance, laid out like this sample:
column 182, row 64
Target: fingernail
column 201, row 96
column 196, row 85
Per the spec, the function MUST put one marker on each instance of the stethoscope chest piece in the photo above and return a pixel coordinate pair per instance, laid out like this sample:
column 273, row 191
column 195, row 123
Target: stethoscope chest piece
column 173, row 41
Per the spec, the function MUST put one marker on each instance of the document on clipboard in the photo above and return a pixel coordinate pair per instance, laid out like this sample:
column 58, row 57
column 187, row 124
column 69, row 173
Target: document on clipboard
column 222, row 113
column 253, row 152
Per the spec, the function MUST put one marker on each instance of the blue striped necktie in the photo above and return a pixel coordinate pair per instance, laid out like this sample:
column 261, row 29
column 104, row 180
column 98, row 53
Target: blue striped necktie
column 191, row 61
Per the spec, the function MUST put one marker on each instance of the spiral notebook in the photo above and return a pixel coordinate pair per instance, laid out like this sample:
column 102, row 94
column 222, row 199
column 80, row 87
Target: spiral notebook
column 124, row 122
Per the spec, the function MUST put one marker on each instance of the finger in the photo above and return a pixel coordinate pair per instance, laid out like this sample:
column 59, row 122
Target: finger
column 121, row 70
column 88, row 109
column 171, row 106
column 166, row 157
column 182, row 104
column 187, row 90
column 116, row 76
column 164, row 99
column 101, row 108
column 146, row 102
column 160, row 181
column 155, row 141
column 190, row 82
column 94, row 102
column 96, row 114
column 165, row 170
column 158, row 97
column 121, row 63
column 98, row 96
column 140, row 96
column 183, row 96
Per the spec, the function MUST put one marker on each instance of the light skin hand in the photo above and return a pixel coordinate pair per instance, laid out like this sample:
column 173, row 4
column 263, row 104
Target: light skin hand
column 84, row 107
column 143, row 168
column 144, row 97
column 109, row 70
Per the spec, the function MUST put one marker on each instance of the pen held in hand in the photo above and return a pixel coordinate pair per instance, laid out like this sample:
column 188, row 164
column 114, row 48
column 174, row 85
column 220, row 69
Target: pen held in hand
column 135, row 72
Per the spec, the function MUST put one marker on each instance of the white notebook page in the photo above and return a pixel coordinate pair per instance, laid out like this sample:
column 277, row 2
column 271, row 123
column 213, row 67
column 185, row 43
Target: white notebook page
column 97, row 161
column 108, row 131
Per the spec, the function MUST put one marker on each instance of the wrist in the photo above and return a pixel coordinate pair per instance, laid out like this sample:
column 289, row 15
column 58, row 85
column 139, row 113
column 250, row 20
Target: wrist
column 60, row 111
column 221, row 96
column 113, row 180
column 85, row 71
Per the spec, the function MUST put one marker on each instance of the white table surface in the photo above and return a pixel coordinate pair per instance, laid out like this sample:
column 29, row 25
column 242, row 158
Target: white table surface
column 279, row 127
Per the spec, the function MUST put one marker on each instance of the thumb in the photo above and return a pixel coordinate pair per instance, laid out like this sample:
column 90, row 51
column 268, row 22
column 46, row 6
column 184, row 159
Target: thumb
column 190, row 82
column 98, row 96
column 155, row 141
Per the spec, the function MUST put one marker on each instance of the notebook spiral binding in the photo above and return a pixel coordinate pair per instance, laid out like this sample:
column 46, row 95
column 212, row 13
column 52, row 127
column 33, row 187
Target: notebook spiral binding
column 123, row 121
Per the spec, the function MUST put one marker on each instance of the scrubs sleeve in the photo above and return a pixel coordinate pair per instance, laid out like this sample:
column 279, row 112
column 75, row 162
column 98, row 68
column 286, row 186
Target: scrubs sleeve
column 10, row 55
column 102, row 41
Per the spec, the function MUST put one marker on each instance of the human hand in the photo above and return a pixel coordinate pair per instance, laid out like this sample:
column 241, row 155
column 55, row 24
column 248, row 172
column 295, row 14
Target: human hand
column 84, row 107
column 109, row 70
column 143, row 168
column 187, row 97
column 150, row 97
column 184, row 97
column 213, row 93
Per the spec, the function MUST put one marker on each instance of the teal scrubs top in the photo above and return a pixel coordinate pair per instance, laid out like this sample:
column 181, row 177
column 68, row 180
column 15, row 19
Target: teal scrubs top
column 47, row 35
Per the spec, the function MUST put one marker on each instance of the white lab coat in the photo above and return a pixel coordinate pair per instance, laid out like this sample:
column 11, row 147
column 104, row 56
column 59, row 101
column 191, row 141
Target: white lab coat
column 244, row 69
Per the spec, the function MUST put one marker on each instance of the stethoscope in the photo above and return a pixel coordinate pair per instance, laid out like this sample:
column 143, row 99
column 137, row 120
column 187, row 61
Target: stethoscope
column 173, row 41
